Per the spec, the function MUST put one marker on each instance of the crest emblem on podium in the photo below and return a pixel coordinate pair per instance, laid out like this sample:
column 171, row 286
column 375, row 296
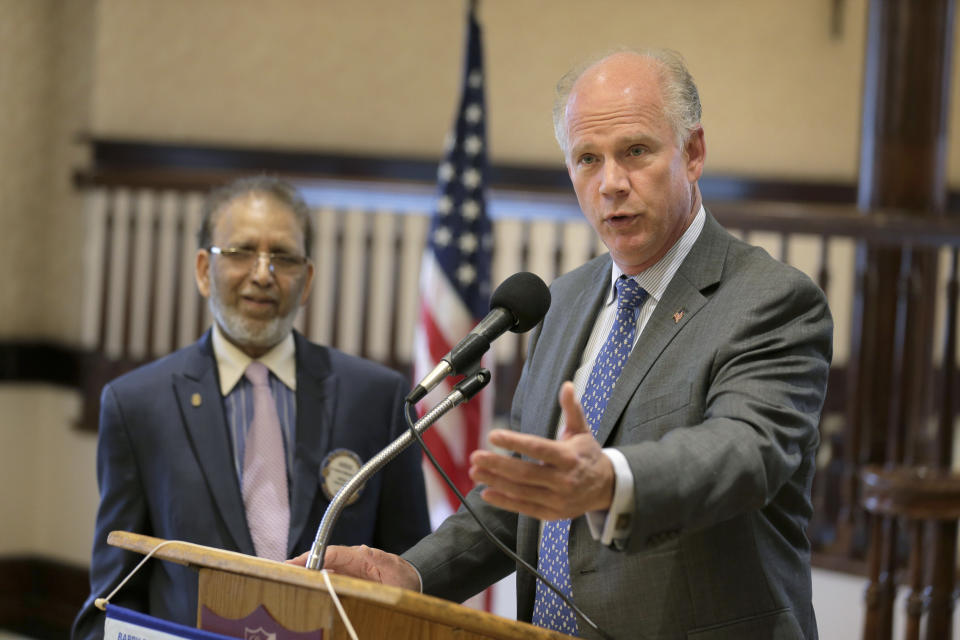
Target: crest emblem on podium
column 258, row 634
column 259, row 625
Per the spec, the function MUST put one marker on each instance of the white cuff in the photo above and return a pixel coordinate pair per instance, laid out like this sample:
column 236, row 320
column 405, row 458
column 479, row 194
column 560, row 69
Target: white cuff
column 419, row 577
column 614, row 524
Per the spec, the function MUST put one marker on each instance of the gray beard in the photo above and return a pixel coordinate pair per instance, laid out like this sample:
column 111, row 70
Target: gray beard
column 242, row 331
column 255, row 334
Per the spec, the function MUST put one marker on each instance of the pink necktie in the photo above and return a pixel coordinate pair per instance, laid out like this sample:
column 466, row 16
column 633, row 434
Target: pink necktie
column 265, row 472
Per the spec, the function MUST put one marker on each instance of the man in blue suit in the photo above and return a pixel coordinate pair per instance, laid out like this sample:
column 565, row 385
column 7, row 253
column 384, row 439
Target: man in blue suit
column 172, row 451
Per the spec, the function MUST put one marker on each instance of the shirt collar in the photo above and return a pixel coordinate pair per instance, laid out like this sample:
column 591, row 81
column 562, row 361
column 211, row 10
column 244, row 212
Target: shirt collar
column 232, row 362
column 655, row 278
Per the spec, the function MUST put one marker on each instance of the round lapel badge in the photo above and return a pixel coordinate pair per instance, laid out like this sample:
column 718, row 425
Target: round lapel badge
column 337, row 468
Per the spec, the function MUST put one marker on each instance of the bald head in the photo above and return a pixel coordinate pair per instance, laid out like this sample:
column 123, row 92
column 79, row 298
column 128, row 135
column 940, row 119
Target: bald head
column 638, row 73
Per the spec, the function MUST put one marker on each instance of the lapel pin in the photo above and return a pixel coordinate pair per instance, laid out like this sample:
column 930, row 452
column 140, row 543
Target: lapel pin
column 196, row 400
column 678, row 315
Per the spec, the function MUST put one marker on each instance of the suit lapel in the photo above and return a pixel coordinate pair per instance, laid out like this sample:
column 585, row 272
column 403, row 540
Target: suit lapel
column 316, row 405
column 684, row 297
column 198, row 395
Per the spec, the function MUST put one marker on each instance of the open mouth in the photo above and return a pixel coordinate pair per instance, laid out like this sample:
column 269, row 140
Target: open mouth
column 621, row 219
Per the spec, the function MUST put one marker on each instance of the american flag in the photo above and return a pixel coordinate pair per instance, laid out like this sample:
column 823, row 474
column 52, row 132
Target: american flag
column 455, row 281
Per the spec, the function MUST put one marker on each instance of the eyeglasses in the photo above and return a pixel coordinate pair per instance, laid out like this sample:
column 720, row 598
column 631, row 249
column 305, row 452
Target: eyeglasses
column 249, row 258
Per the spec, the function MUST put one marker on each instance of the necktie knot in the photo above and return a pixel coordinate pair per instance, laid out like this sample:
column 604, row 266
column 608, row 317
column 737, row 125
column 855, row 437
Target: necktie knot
column 257, row 373
column 630, row 295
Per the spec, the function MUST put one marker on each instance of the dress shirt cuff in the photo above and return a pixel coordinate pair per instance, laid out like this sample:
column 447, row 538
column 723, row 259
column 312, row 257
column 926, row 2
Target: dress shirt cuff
column 613, row 525
column 419, row 577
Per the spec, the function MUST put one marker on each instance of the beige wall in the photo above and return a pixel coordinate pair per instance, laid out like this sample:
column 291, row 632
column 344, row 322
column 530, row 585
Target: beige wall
column 26, row 85
column 45, row 71
column 381, row 76
column 48, row 493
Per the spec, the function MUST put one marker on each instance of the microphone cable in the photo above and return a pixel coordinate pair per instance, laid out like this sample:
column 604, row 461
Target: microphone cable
column 408, row 407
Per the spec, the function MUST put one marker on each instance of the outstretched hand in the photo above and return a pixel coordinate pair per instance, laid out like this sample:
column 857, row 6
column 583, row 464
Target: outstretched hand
column 565, row 478
column 367, row 563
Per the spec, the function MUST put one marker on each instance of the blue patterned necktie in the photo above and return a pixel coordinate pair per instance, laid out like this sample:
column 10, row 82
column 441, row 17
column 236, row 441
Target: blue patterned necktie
column 549, row 611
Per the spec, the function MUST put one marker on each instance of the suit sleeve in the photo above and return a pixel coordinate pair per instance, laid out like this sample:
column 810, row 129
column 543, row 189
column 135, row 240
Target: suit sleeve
column 458, row 561
column 122, row 507
column 759, row 433
column 402, row 518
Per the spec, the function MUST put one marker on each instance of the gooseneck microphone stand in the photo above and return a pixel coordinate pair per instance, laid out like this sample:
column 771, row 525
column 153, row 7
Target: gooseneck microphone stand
column 466, row 389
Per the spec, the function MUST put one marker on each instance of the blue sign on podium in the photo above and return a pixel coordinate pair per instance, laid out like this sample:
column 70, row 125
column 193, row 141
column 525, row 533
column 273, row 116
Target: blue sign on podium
column 126, row 624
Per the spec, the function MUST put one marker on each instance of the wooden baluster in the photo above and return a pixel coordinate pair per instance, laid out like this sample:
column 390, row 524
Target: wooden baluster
column 823, row 270
column 871, row 595
column 944, row 534
column 942, row 591
column 785, row 248
column 396, row 278
column 883, row 536
column 888, row 576
column 944, row 440
column 377, row 316
column 896, row 429
column 881, row 589
column 915, row 597
column 896, row 437
column 107, row 271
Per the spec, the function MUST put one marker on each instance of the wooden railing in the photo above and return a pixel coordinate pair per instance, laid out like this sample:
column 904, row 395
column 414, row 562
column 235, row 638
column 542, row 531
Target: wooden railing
column 919, row 420
column 142, row 301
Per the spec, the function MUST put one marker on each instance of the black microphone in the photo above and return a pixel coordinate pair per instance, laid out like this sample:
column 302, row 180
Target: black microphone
column 518, row 304
column 471, row 385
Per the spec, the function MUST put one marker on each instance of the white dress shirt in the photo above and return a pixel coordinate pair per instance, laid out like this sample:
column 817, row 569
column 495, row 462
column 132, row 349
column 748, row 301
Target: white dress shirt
column 614, row 524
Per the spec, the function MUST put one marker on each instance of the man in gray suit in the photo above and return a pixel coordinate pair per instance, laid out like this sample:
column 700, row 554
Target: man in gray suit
column 685, row 467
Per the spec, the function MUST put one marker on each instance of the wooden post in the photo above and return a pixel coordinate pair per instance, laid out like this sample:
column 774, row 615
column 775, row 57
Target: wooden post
column 902, row 167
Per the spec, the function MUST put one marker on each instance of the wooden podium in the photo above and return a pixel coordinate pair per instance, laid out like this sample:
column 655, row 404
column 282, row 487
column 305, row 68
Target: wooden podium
column 232, row 585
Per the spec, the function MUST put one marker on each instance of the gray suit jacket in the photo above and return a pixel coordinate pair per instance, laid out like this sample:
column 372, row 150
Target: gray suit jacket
column 165, row 468
column 716, row 412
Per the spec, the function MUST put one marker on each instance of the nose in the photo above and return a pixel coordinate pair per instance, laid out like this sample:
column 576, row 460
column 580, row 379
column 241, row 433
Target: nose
column 262, row 269
column 613, row 179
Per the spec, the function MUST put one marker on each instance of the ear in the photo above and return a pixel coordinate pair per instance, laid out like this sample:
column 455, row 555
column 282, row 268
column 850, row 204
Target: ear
column 202, row 272
column 695, row 152
column 306, row 284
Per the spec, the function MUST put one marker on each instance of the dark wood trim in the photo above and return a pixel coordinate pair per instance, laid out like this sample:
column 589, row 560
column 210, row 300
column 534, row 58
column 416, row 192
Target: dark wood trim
column 893, row 227
column 41, row 362
column 40, row 597
column 154, row 164
column 839, row 564
column 167, row 165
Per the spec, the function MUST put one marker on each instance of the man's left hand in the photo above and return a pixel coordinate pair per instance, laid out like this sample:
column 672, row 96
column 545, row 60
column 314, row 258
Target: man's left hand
column 565, row 478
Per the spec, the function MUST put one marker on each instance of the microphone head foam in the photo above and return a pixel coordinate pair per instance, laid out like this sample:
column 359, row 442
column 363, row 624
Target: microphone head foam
column 526, row 296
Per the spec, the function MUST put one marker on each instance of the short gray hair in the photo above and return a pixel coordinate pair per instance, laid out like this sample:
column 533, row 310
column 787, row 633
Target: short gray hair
column 284, row 192
column 681, row 100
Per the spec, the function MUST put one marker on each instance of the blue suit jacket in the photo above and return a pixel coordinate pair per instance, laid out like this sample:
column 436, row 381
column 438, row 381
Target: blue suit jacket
column 165, row 468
